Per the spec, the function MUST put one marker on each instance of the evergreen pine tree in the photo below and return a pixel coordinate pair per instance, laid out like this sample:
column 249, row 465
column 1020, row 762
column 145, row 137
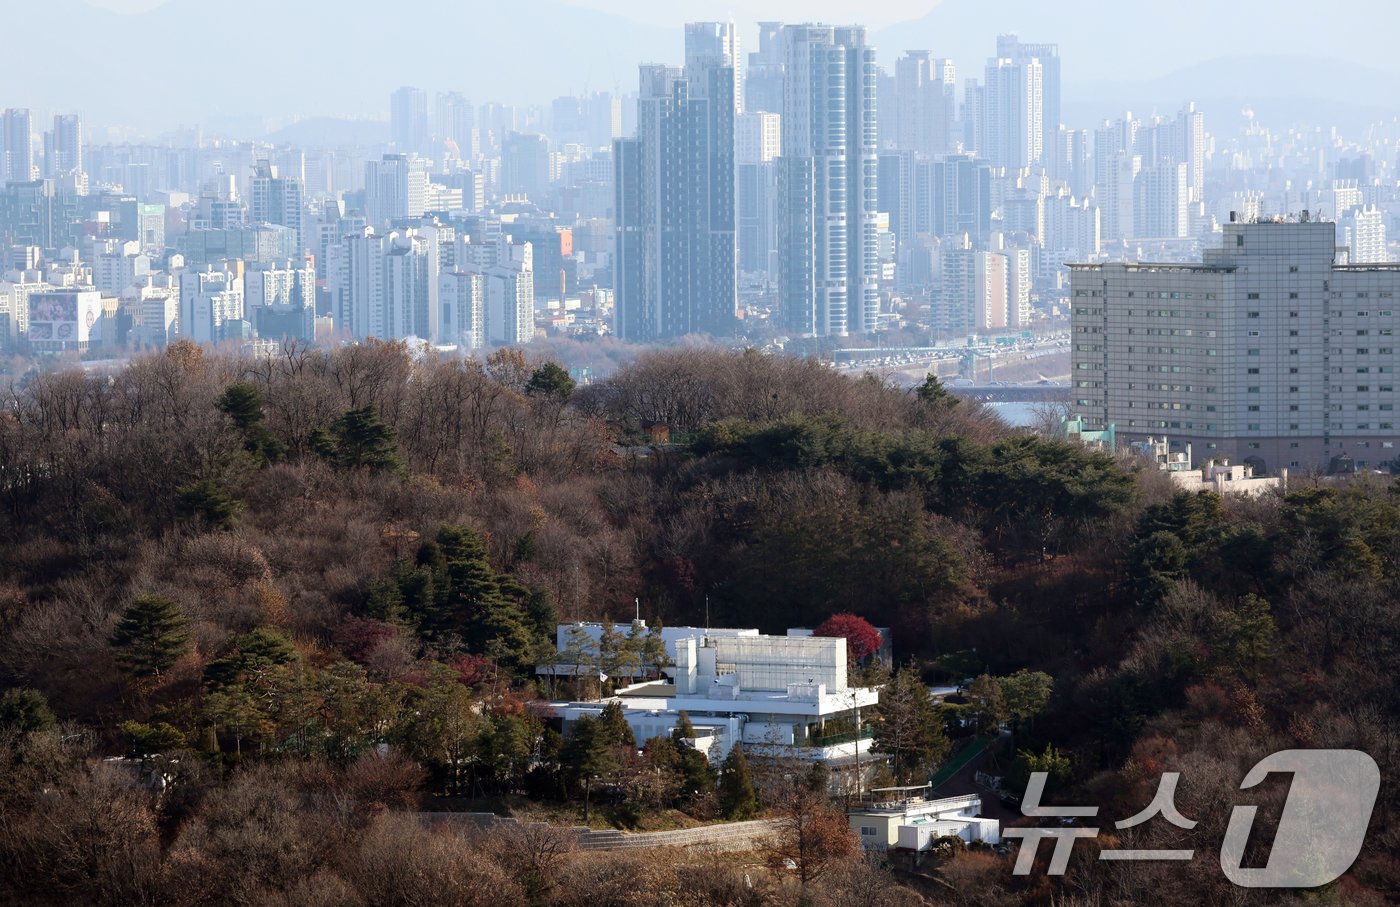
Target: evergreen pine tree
column 151, row 636
column 737, row 799
column 472, row 602
column 683, row 730
column 359, row 439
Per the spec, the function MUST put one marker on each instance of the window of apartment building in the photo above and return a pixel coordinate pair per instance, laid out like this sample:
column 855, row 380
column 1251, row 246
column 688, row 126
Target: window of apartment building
column 1293, row 388
column 1254, row 409
column 1293, row 408
column 1252, row 314
column 1293, row 371
column 1254, row 333
column 1387, row 388
column 1252, row 426
column 1385, row 407
column 1292, row 333
column 1363, row 426
column 1386, row 350
column 1363, row 369
column 1293, row 426
column 1292, row 269
column 1292, row 443
column 1363, row 351
column 1363, row 314
column 1254, row 371
column 1363, row 407
column 1210, row 408
column 1293, row 352
column 1252, row 296
column 1387, row 425
column 1253, row 352
column 1362, row 333
column 1254, row 389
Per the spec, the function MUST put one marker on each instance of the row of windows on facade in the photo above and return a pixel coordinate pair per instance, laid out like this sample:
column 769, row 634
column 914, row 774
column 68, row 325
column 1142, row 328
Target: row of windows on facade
column 1253, row 426
column 1186, row 369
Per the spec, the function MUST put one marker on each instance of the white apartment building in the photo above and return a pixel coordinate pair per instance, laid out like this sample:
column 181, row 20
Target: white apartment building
column 117, row 265
column 211, row 303
column 1267, row 354
column 1363, row 233
column 462, row 301
column 382, row 284
column 154, row 305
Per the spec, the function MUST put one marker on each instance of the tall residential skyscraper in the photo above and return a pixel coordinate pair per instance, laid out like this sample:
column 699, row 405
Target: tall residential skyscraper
column 925, row 104
column 1009, row 47
column 763, row 82
column 829, row 183
column 676, row 269
column 277, row 200
column 396, row 187
column 456, row 123
column 16, row 146
column 381, row 285
column 65, row 146
column 758, row 142
column 1160, row 207
column 1013, row 115
column 525, row 165
column 408, row 120
column 1191, row 129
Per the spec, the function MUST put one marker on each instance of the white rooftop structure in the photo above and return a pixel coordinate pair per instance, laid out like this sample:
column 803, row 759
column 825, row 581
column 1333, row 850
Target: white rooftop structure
column 903, row 817
column 740, row 686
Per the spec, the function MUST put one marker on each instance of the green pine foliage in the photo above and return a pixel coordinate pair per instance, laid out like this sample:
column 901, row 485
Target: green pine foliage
column 737, row 799
column 151, row 636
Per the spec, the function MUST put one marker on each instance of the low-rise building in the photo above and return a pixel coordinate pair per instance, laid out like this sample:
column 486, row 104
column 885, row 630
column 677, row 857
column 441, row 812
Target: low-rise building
column 780, row 695
column 904, row 817
column 1219, row 476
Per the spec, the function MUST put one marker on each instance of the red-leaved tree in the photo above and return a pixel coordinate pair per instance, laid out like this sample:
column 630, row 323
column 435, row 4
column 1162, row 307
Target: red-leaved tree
column 862, row 639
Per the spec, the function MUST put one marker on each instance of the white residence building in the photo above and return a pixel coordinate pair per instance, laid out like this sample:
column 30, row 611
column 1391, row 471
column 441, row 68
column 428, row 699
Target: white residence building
column 773, row 694
column 903, row 817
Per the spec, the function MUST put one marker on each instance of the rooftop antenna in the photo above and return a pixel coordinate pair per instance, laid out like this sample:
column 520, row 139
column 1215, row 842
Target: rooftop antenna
column 707, row 612
column 638, row 603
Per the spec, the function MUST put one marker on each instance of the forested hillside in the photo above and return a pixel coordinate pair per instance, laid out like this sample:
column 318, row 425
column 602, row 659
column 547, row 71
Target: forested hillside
column 308, row 592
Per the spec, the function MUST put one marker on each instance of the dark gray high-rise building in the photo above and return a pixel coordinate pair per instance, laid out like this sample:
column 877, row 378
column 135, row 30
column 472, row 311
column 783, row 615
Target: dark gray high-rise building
column 829, row 183
column 676, row 270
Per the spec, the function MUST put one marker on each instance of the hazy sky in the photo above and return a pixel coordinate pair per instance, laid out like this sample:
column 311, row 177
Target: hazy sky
column 870, row 12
